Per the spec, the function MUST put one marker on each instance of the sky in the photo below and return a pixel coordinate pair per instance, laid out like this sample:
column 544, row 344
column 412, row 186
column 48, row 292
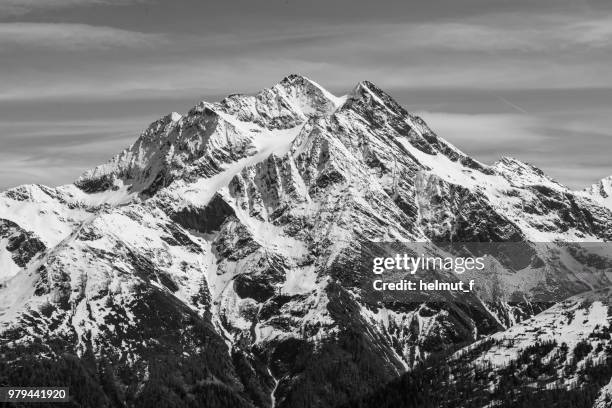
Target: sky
column 80, row 79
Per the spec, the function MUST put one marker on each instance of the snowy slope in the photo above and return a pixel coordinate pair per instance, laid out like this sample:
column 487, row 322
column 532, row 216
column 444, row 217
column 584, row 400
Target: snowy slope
column 565, row 348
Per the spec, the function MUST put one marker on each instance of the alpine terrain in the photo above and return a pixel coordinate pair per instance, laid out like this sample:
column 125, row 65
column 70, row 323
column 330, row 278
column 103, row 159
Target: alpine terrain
column 216, row 262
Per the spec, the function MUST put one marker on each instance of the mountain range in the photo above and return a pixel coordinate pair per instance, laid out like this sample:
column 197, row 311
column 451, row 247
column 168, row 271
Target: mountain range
column 216, row 262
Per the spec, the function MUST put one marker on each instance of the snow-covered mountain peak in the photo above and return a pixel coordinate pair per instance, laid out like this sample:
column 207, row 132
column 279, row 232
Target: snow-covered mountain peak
column 211, row 135
column 602, row 191
column 307, row 95
column 367, row 92
column 297, row 81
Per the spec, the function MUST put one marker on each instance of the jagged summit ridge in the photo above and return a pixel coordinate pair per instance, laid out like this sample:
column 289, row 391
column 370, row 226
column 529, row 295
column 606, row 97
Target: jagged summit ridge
column 212, row 135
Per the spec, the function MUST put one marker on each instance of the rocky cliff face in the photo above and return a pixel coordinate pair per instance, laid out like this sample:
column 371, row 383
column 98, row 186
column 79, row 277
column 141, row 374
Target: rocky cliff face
column 215, row 259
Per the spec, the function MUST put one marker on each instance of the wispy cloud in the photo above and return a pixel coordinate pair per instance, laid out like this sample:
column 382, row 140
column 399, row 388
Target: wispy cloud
column 503, row 33
column 499, row 52
column 72, row 37
column 19, row 7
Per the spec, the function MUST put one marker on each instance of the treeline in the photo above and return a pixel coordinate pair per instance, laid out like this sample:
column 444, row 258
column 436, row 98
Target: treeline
column 104, row 382
column 95, row 383
column 524, row 383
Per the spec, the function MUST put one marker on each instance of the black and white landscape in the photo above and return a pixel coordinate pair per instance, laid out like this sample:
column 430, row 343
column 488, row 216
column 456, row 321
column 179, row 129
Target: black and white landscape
column 212, row 263
column 224, row 257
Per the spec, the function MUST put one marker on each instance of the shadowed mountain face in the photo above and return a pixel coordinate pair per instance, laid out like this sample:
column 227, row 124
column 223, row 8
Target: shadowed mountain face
column 215, row 262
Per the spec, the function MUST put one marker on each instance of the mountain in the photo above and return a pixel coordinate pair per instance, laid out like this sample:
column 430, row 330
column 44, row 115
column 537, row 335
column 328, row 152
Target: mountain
column 217, row 260
column 602, row 192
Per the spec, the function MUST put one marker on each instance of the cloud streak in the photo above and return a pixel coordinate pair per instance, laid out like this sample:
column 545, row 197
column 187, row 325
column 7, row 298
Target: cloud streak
column 504, row 53
column 20, row 7
column 72, row 37
column 505, row 33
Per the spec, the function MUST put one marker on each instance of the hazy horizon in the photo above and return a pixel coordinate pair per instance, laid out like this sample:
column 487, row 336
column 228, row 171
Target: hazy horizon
column 80, row 79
